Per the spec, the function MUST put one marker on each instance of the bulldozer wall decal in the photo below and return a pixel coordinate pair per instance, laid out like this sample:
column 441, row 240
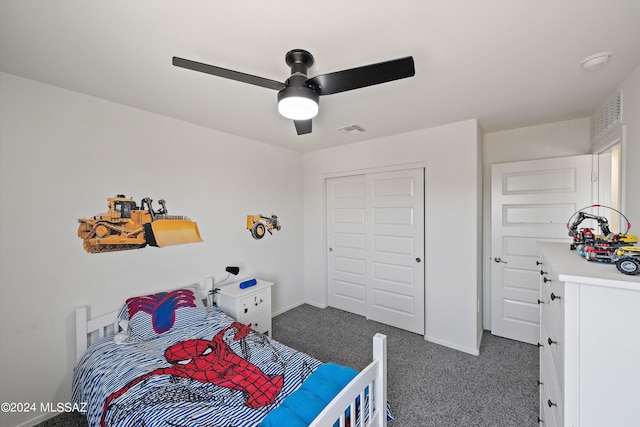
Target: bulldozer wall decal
column 126, row 226
column 259, row 224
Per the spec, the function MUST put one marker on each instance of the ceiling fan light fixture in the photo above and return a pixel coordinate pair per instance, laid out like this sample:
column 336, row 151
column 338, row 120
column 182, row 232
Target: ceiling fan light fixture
column 298, row 103
column 299, row 95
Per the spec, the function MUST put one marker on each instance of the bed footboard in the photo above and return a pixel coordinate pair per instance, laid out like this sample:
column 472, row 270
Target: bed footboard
column 370, row 386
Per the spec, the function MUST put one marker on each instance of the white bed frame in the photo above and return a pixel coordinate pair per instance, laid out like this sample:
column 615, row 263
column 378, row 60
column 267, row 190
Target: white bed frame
column 373, row 377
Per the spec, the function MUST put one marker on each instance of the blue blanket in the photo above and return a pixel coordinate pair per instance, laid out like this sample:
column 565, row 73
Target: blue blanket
column 303, row 405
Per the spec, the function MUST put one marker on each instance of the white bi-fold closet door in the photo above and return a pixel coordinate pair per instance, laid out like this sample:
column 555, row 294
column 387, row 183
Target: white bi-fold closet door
column 375, row 242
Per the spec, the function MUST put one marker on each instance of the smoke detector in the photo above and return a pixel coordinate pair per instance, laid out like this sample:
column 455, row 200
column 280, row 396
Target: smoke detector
column 596, row 61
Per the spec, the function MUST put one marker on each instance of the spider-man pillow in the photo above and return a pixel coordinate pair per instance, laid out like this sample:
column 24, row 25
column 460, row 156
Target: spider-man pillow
column 157, row 314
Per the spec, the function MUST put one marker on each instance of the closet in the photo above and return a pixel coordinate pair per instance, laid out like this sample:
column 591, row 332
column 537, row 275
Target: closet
column 375, row 246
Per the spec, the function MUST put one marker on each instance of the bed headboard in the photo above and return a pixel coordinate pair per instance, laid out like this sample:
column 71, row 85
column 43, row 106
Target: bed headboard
column 90, row 330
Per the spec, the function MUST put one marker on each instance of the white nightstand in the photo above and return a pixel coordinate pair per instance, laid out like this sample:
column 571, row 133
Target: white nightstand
column 251, row 306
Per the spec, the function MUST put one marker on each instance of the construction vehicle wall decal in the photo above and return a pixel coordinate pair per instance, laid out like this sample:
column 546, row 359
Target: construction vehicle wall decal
column 259, row 224
column 127, row 226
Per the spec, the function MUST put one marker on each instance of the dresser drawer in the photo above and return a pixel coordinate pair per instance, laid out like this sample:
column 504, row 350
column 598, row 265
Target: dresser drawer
column 551, row 290
column 552, row 308
column 547, row 414
column 554, row 351
column 552, row 318
column 551, row 401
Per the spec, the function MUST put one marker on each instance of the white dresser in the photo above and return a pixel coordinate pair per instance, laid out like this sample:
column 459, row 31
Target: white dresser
column 251, row 306
column 589, row 341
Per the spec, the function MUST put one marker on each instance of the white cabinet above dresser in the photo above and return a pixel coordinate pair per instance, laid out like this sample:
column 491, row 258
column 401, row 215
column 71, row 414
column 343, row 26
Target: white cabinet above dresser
column 589, row 341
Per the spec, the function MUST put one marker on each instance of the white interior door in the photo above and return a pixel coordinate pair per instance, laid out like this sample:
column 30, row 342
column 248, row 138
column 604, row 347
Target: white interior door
column 376, row 246
column 395, row 249
column 346, row 239
column 530, row 201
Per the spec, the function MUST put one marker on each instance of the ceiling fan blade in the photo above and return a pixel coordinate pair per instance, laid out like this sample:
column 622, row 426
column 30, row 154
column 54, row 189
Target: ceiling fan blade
column 302, row 126
column 367, row 75
column 227, row 74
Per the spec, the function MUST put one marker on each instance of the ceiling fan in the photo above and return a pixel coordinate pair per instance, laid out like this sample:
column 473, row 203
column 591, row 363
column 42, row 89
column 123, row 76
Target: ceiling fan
column 299, row 95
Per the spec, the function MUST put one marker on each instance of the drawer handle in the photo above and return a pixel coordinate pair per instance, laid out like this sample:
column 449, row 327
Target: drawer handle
column 546, row 280
column 550, row 403
column 554, row 296
column 550, row 341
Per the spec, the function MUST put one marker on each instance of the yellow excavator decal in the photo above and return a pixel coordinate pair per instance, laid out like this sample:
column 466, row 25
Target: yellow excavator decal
column 127, row 226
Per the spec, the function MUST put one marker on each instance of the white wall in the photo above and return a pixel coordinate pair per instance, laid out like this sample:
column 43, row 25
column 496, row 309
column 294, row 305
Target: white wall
column 631, row 118
column 479, row 243
column 451, row 155
column 560, row 139
column 61, row 155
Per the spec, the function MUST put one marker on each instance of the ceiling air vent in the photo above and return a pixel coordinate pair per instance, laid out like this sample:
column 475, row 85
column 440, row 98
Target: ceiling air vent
column 352, row 129
column 607, row 118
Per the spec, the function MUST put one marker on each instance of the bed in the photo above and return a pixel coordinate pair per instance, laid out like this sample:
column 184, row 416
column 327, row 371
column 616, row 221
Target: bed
column 167, row 360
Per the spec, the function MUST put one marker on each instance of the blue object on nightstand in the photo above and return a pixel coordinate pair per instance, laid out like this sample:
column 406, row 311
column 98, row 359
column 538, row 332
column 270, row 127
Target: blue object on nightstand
column 248, row 283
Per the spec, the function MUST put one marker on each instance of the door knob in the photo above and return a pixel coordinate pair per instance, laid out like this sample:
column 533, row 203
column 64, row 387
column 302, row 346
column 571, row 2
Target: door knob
column 498, row 259
column 418, row 260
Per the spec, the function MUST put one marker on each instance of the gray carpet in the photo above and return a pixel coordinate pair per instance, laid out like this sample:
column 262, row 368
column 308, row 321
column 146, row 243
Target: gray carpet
column 429, row 385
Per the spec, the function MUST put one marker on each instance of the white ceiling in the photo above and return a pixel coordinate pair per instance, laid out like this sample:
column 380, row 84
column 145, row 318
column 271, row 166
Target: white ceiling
column 509, row 63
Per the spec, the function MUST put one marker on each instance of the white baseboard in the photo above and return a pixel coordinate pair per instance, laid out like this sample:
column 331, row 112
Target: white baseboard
column 284, row 310
column 291, row 307
column 316, row 304
column 37, row 420
column 474, row 351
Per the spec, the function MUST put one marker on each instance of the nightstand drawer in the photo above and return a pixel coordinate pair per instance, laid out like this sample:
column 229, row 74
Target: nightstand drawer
column 259, row 321
column 254, row 303
column 251, row 306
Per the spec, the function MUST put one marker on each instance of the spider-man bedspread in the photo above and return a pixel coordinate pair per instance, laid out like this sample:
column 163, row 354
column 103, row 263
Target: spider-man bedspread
column 212, row 372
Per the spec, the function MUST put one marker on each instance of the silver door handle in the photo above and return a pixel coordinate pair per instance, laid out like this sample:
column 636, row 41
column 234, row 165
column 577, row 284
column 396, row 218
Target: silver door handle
column 498, row 259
